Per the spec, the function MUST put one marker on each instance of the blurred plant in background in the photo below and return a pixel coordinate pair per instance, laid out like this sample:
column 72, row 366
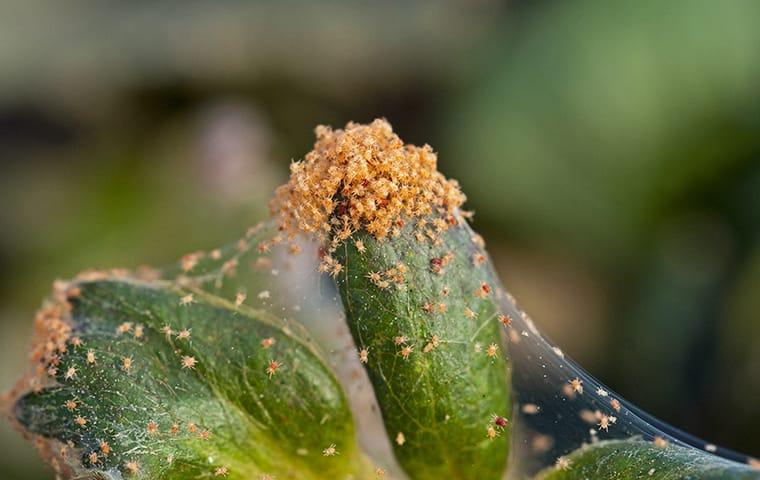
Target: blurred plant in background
column 611, row 154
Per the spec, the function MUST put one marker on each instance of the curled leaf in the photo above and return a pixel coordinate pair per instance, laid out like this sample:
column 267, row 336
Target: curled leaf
column 152, row 381
column 634, row 459
column 429, row 326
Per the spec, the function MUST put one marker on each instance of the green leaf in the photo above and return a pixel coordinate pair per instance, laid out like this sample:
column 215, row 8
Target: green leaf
column 637, row 459
column 195, row 401
column 439, row 402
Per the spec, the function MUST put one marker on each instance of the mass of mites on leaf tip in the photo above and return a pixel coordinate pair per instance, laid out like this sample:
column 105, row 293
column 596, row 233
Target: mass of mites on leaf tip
column 364, row 178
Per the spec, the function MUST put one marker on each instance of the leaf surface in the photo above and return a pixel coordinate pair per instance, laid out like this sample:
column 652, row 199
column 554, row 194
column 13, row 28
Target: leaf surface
column 158, row 382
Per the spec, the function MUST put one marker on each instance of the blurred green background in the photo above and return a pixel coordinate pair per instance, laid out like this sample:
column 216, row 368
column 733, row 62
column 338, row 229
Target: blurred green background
column 611, row 151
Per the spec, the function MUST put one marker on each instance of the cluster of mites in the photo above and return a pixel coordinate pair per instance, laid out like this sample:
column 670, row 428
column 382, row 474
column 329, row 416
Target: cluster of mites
column 53, row 321
column 362, row 178
column 58, row 334
column 425, row 231
column 394, row 277
column 262, row 263
column 53, row 327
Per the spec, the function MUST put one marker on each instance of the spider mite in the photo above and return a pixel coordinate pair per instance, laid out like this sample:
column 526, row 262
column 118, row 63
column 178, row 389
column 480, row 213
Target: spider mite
column 364, row 355
column 374, row 277
column 330, row 451
column 132, row 467
column 188, row 362
column 660, row 442
column 577, row 385
column 336, row 269
column 499, row 421
column 126, row 364
column 124, row 328
column 505, row 320
column 152, row 427
column 272, row 368
column 604, row 423
column 406, row 351
column 563, row 463
column 483, row 291
column 436, row 265
column 433, row 343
